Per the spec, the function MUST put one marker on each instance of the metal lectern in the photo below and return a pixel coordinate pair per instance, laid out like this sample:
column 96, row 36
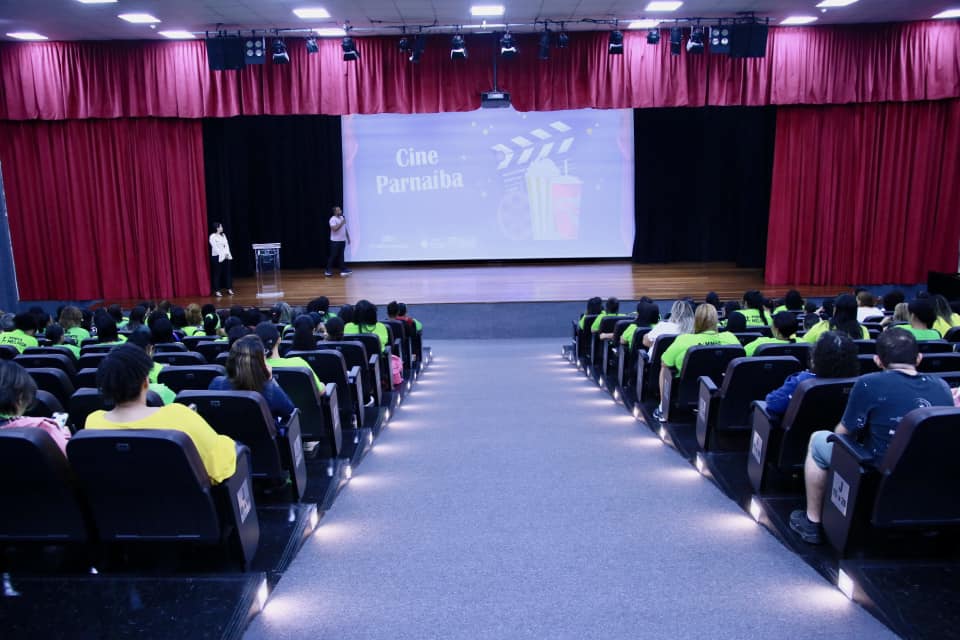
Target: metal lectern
column 267, row 259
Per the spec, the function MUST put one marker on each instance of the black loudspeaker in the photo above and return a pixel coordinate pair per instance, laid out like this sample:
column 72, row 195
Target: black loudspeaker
column 225, row 53
column 748, row 40
column 676, row 40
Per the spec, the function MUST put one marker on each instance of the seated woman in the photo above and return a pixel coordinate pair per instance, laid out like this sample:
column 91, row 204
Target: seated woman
column 194, row 317
column 736, row 323
column 304, row 338
column 843, row 319
column 704, row 332
column 137, row 317
column 161, row 329
column 270, row 336
column 594, row 307
column 901, row 315
column 141, row 337
column 867, row 306
column 784, row 330
column 753, row 310
column 211, row 326
column 17, row 393
column 247, row 370
column 334, row 329
column 71, row 319
column 922, row 320
column 833, row 356
column 946, row 318
column 610, row 308
column 122, row 379
column 54, row 334
column 648, row 315
column 365, row 321
column 107, row 332
column 679, row 322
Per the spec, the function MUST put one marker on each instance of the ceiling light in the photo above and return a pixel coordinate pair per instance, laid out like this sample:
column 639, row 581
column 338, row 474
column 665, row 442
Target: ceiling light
column 563, row 39
column 795, row 20
column 653, row 36
column 458, row 48
column 508, row 47
column 330, row 32
column 27, row 35
column 615, row 44
column 97, row 1
column 543, row 50
column 486, row 10
column 404, row 44
column 307, row 13
column 279, row 53
column 949, row 13
column 350, row 53
column 643, row 24
column 139, row 18
column 176, row 34
column 660, row 5
column 826, row 4
column 486, row 25
column 312, row 46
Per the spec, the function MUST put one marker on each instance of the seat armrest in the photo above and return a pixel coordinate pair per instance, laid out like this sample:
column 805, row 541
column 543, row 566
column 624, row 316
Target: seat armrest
column 373, row 360
column 851, row 448
column 707, row 384
column 761, row 406
column 354, row 372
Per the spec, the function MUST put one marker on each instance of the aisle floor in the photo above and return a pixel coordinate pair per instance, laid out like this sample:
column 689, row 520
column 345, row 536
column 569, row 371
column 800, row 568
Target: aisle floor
column 510, row 498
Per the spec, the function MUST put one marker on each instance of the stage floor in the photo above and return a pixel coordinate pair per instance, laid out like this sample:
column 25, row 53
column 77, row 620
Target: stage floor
column 505, row 282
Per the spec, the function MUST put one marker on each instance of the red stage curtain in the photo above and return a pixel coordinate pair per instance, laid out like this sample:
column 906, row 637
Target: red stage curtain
column 831, row 64
column 865, row 194
column 106, row 209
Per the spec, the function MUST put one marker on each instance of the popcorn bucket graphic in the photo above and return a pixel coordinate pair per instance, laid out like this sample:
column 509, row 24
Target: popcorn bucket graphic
column 554, row 202
column 565, row 194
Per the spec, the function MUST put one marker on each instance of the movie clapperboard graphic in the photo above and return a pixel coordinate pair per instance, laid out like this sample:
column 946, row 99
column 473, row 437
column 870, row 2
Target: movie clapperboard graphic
column 535, row 169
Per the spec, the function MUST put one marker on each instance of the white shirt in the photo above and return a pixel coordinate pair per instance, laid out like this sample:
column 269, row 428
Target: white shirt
column 866, row 312
column 338, row 235
column 220, row 246
column 662, row 328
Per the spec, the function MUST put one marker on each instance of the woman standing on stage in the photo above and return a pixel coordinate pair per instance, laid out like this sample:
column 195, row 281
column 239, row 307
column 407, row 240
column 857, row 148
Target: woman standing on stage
column 220, row 260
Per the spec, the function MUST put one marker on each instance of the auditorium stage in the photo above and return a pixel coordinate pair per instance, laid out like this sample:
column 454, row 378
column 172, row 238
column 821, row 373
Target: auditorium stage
column 513, row 282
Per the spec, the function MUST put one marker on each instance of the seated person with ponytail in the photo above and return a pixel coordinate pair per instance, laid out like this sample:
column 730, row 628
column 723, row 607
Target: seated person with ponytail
column 753, row 310
column 122, row 379
column 704, row 332
column 784, row 330
column 843, row 319
column 648, row 315
column 365, row 321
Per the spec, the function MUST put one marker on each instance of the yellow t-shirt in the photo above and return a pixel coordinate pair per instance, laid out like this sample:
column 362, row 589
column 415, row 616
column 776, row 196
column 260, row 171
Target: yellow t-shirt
column 942, row 326
column 218, row 452
column 822, row 327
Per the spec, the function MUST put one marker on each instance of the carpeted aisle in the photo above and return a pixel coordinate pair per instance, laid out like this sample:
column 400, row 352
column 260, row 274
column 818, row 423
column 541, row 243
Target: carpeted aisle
column 510, row 498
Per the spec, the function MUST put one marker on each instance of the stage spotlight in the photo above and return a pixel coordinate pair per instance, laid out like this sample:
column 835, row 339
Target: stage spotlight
column 349, row 47
column 720, row 39
column 280, row 55
column 458, row 48
column 695, row 43
column 508, row 47
column 563, row 39
column 653, row 36
column 404, row 44
column 676, row 38
column 544, row 49
column 419, row 44
column 615, row 46
column 312, row 46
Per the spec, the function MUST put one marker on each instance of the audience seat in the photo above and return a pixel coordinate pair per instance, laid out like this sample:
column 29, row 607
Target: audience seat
column 180, row 358
column 196, row 376
column 86, row 378
column 648, row 369
column 953, row 335
column 90, row 360
column 319, row 414
column 627, row 365
column 912, row 487
column 210, row 350
column 779, row 447
column 38, row 496
column 276, row 449
column 866, row 346
column 45, row 404
column 54, row 381
column 799, row 350
column 169, row 347
column 150, row 486
column 746, row 337
column 190, row 342
column 96, row 347
column 935, row 346
column 597, row 363
column 726, row 410
column 709, row 361
column 51, row 349
column 48, row 361
column 401, row 338
column 937, row 362
column 330, row 366
column 582, row 340
column 355, row 355
column 372, row 343
column 8, row 352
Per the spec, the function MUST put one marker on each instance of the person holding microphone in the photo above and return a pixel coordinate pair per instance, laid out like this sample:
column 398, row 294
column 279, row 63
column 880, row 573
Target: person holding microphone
column 339, row 239
column 220, row 260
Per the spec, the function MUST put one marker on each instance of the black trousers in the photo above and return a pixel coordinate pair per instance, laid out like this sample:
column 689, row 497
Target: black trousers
column 221, row 273
column 337, row 247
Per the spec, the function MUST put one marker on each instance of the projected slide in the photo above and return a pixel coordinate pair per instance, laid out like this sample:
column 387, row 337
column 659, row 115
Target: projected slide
column 490, row 184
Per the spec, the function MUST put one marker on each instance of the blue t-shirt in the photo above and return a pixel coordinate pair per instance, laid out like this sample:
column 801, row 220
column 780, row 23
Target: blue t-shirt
column 878, row 401
column 779, row 399
column 279, row 402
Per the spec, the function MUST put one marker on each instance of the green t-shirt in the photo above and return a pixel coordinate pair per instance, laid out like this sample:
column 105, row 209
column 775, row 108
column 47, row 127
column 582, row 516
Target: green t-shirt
column 193, row 331
column 673, row 356
column 627, row 336
column 752, row 347
column 596, row 321
column 753, row 317
column 296, row 362
column 79, row 334
column 157, row 368
column 18, row 340
column 922, row 334
column 380, row 329
column 822, row 327
column 119, row 340
column 74, row 349
column 166, row 393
